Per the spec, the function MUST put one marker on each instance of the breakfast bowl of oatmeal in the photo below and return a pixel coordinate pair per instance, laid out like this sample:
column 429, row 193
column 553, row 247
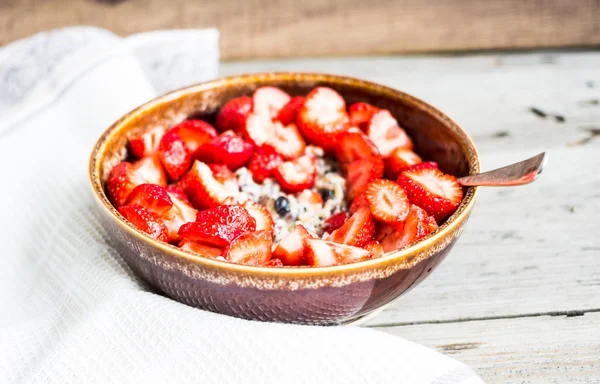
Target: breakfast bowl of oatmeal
column 288, row 197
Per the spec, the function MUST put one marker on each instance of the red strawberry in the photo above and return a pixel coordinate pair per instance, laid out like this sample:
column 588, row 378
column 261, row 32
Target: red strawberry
column 287, row 141
column 145, row 144
column 387, row 201
column 204, row 189
column 322, row 253
column 230, row 200
column 201, row 249
column 361, row 113
column 180, row 213
column 322, row 117
column 145, row 221
column 263, row 162
column 174, row 190
column 359, row 202
column 258, row 128
column 264, row 220
column 437, row 193
column 222, row 173
column 287, row 114
column 427, row 164
column 334, row 222
column 174, row 155
column 297, row 175
column 274, row 263
column 219, row 226
column 228, row 149
column 359, row 174
column 375, row 248
column 269, row 101
column 417, row 225
column 195, row 133
column 122, row 179
column 233, row 114
column 383, row 129
column 152, row 197
column 252, row 248
column 151, row 170
column 400, row 160
column 358, row 230
column 291, row 248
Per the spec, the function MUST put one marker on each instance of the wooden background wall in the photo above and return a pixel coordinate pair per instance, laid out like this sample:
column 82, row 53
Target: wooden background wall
column 297, row 28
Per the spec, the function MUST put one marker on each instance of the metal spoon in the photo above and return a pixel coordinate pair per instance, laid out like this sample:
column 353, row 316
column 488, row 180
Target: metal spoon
column 523, row 172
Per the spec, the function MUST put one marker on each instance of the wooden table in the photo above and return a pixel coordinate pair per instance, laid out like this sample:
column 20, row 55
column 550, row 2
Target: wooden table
column 518, row 299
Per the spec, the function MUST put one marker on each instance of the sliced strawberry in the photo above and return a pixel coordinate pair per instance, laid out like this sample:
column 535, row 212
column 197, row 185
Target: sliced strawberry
column 230, row 200
column 233, row 114
column 219, row 226
column 387, row 135
column 387, row 201
column 258, row 128
column 151, row 170
column 145, row 221
column 204, row 189
column 174, row 190
column 174, row 155
column 297, row 175
column 228, row 149
column 180, row 213
column 400, row 160
column 291, row 248
column 437, row 193
column 287, row 140
column 358, row 230
column 201, row 249
column 264, row 220
column 152, row 197
column 359, row 202
column 375, row 248
column 360, row 174
column 274, row 263
column 427, row 164
column 361, row 113
column 222, row 173
column 263, row 162
column 322, row 117
column 269, row 101
column 145, row 144
column 195, row 133
column 334, row 222
column 287, row 114
column 252, row 248
column 322, row 253
column 417, row 225
column 122, row 179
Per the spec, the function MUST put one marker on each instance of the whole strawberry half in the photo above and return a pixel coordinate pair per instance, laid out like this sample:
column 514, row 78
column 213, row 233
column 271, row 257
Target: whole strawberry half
column 323, row 253
column 387, row 135
column 400, row 160
column 322, row 117
column 387, row 201
column 262, row 216
column 291, row 248
column 228, row 149
column 200, row 248
column 232, row 116
column 269, row 101
column 360, row 114
column 287, row 114
column 146, row 143
column 206, row 189
column 153, row 197
column 174, row 155
column 252, row 248
column 263, row 162
column 298, row 174
column 181, row 212
column 194, row 133
column 358, row 230
column 145, row 221
column 437, row 193
column 219, row 226
column 417, row 225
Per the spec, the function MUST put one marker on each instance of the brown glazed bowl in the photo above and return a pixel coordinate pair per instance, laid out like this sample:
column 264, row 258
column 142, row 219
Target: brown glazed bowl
column 325, row 295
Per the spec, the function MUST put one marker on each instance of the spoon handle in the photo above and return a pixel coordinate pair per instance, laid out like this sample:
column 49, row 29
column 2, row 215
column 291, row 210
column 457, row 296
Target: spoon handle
column 523, row 172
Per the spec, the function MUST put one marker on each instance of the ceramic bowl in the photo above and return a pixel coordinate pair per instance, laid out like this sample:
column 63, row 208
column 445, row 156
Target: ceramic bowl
column 325, row 295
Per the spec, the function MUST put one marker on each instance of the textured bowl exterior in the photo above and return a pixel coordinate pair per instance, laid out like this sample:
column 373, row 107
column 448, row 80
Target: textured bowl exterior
column 325, row 296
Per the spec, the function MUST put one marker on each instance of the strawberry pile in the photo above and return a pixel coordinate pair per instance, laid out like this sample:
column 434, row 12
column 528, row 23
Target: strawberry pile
column 179, row 184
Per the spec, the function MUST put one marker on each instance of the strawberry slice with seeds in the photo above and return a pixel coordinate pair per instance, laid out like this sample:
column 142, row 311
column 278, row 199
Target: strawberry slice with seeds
column 263, row 162
column 253, row 248
column 322, row 117
column 359, row 174
column 201, row 249
column 258, row 128
column 361, row 113
column 287, row 140
column 151, row 170
column 264, row 220
column 298, row 174
column 195, row 133
column 145, row 144
column 228, row 149
column 174, row 190
column 181, row 212
column 122, row 179
column 387, row 201
column 359, row 202
column 287, row 114
column 219, row 226
column 437, row 193
column 387, row 135
column 291, row 248
column 334, row 222
column 274, row 263
column 145, row 221
column 269, row 101
column 174, row 155
column 152, row 197
column 417, row 225
column 400, row 160
column 232, row 116
column 357, row 231
column 323, row 253
column 375, row 248
column 205, row 189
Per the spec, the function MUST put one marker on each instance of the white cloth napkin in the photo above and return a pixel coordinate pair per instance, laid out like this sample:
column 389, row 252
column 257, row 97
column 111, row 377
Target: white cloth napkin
column 71, row 311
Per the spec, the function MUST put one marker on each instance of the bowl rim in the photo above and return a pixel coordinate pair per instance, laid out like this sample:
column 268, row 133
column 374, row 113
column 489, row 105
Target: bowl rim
column 452, row 224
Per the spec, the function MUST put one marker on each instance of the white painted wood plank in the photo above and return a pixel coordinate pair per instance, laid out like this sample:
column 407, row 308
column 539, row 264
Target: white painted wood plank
column 544, row 349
